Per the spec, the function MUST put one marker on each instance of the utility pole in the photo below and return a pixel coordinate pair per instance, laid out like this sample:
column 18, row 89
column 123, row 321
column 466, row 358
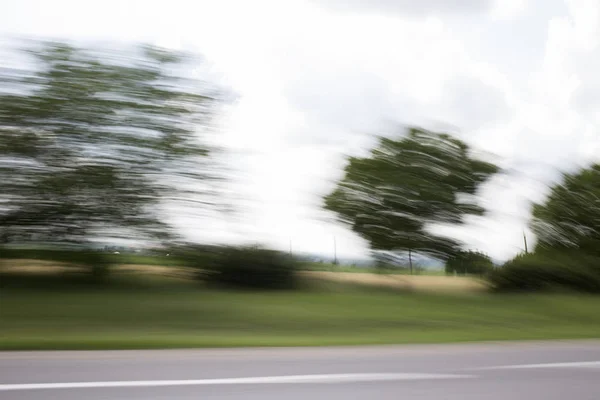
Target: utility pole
column 525, row 241
column 290, row 247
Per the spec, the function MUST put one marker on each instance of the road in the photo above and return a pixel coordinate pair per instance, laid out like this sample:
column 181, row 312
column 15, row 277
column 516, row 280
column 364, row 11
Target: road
column 495, row 371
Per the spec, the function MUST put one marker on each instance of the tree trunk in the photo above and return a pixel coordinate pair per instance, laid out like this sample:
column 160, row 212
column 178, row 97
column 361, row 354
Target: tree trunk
column 410, row 261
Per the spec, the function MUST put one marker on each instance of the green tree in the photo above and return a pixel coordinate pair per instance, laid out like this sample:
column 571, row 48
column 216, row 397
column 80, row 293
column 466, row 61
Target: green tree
column 469, row 262
column 391, row 197
column 95, row 143
column 567, row 252
column 570, row 217
column 548, row 270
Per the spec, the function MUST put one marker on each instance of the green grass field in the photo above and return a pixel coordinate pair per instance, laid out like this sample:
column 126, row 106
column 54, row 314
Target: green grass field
column 154, row 312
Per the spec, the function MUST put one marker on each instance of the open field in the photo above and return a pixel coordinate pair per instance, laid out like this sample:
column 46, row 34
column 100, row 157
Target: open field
column 156, row 310
column 11, row 256
column 418, row 283
column 357, row 276
column 37, row 256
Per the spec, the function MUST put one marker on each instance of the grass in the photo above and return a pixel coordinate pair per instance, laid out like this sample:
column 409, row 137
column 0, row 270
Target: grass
column 158, row 312
column 418, row 283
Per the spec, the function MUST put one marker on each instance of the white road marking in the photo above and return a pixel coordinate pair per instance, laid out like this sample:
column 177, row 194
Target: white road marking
column 577, row 364
column 329, row 378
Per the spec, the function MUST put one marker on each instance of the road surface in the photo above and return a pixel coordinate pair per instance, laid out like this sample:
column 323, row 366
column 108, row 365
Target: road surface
column 494, row 371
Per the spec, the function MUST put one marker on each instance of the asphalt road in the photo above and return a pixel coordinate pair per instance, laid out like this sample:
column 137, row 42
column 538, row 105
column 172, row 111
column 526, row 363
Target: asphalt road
column 501, row 371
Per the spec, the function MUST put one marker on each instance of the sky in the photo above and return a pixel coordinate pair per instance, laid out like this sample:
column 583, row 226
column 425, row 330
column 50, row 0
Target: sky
column 316, row 79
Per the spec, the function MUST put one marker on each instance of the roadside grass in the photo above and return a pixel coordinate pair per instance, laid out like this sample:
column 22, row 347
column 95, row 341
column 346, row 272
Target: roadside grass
column 56, row 311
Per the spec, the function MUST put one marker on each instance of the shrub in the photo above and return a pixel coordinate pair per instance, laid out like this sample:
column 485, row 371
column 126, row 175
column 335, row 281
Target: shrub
column 469, row 262
column 548, row 271
column 253, row 267
column 197, row 256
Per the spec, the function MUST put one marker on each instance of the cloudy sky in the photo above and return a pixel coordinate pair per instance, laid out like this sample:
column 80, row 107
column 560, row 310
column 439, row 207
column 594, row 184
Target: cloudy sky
column 315, row 78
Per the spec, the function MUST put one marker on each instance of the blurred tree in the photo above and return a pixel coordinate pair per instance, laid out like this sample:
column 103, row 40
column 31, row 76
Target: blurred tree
column 390, row 197
column 383, row 259
column 570, row 216
column 93, row 144
column 469, row 262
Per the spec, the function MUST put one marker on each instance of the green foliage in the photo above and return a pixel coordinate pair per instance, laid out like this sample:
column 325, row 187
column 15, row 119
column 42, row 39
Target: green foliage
column 253, row 267
column 469, row 262
column 390, row 197
column 390, row 262
column 554, row 270
column 570, row 217
column 93, row 144
column 567, row 253
column 204, row 258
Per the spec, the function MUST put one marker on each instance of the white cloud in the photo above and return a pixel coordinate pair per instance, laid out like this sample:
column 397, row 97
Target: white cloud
column 408, row 6
column 515, row 77
column 508, row 9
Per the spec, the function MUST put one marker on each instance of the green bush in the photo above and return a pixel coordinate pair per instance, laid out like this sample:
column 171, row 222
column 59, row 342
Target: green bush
column 548, row 271
column 469, row 262
column 252, row 267
column 201, row 257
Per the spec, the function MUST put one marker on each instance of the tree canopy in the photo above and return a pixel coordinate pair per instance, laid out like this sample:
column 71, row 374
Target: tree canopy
column 392, row 196
column 92, row 143
column 570, row 216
